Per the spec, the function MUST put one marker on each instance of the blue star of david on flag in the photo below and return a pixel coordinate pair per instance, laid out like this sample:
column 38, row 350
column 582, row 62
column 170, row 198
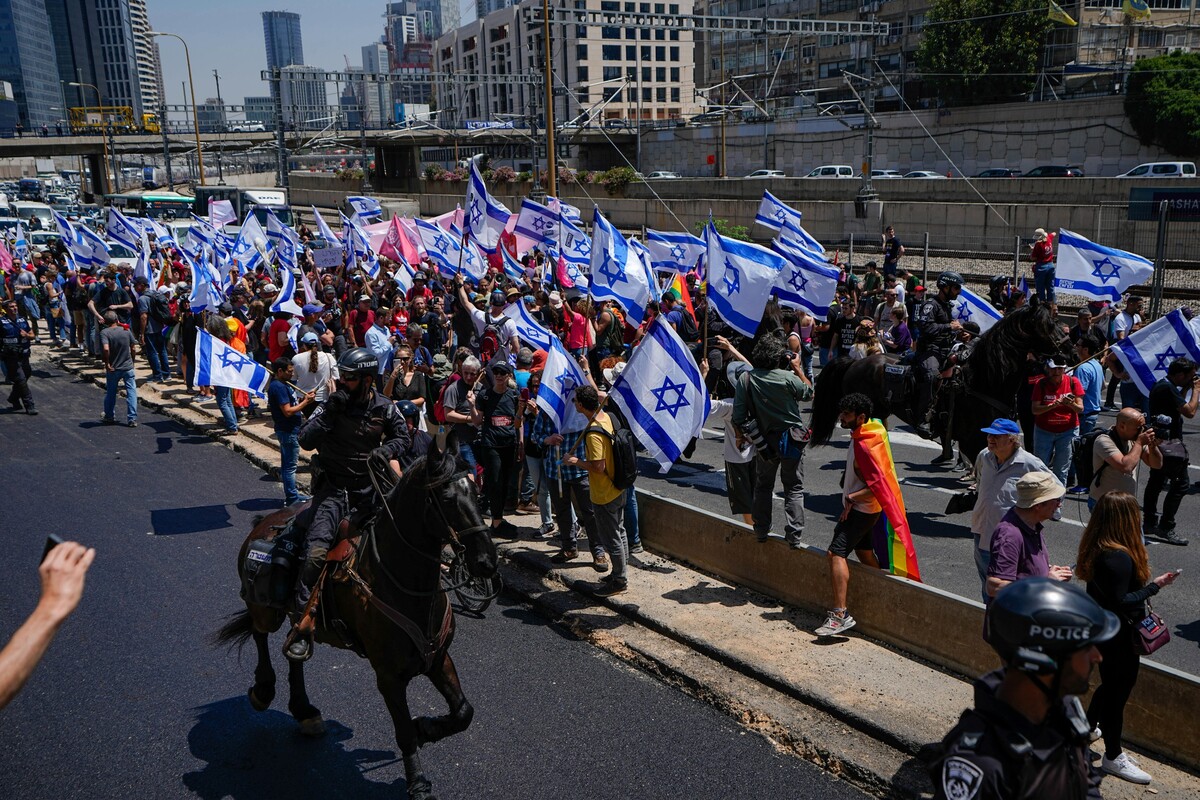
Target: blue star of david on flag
column 798, row 281
column 781, row 215
column 612, row 270
column 476, row 214
column 567, row 385
column 671, row 407
column 678, row 252
column 583, row 247
column 733, row 279
column 1106, row 269
column 964, row 313
column 232, row 358
column 540, row 223
column 441, row 243
column 1165, row 358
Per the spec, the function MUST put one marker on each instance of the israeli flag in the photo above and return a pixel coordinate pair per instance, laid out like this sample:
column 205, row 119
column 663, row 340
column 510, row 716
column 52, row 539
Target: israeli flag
column 403, row 276
column 565, row 210
column 202, row 231
column 775, row 214
column 161, row 233
column 121, row 230
column 970, row 307
column 365, row 207
column 617, row 271
column 643, row 254
column 486, row 217
column 740, row 278
column 673, row 252
column 141, row 269
column 285, row 301
column 246, row 248
column 662, row 394
column 560, row 377
column 323, row 229
column 439, row 244
column 285, row 249
column 21, row 243
column 792, row 232
column 528, row 328
column 1147, row 353
column 218, row 364
column 276, row 230
column 206, row 291
column 576, row 249
column 474, row 263
column 512, row 268
column 65, row 229
column 221, row 213
column 89, row 247
column 808, row 281
column 1096, row 271
column 536, row 221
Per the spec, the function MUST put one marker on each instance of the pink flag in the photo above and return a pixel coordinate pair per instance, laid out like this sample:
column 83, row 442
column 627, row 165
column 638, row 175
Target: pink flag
column 564, row 280
column 6, row 259
column 397, row 246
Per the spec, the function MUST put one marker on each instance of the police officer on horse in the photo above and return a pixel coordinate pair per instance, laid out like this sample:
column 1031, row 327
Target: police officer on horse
column 1028, row 735
column 353, row 427
column 936, row 328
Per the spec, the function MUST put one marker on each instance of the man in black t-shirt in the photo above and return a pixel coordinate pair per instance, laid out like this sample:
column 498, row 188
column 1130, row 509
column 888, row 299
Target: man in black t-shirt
column 843, row 328
column 1169, row 398
column 499, row 446
column 111, row 297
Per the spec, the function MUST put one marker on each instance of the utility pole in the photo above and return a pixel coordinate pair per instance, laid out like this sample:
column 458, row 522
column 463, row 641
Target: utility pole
column 866, row 194
column 162, row 126
column 220, row 140
column 548, row 78
column 724, row 81
column 280, row 144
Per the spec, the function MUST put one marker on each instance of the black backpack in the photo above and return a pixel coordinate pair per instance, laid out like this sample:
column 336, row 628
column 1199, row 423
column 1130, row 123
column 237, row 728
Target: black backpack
column 1082, row 448
column 624, row 446
column 687, row 327
column 160, row 309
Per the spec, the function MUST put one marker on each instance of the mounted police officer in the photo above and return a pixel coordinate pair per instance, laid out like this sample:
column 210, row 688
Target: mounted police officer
column 354, row 426
column 1028, row 735
column 936, row 328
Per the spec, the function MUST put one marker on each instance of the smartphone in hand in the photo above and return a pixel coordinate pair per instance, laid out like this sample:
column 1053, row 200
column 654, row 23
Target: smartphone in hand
column 52, row 541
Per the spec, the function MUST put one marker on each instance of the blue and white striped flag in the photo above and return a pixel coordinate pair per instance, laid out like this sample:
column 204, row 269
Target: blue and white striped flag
column 440, row 246
column 21, row 243
column 206, row 291
column 285, row 251
column 512, row 268
column 536, row 221
column 617, row 272
column 276, row 230
column 576, row 249
column 795, row 234
column 403, row 276
column 323, row 229
column 365, row 208
column 970, row 307
column 286, row 299
column 121, row 229
column 474, row 263
column 1147, row 353
column 644, row 255
column 65, row 229
column 141, row 269
column 1096, row 271
column 89, row 248
column 568, row 212
column 246, row 248
column 662, row 394
column 528, row 328
column 486, row 217
column 775, row 214
column 740, row 278
column 161, row 233
column 560, row 377
column 201, row 231
column 808, row 281
column 674, row 252
column 218, row 364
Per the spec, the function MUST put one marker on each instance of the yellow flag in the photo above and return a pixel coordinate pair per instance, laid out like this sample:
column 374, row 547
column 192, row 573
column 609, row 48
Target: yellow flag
column 1138, row 9
column 1057, row 14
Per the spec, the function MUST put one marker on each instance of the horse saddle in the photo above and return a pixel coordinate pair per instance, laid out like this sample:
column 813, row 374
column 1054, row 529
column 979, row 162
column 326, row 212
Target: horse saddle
column 898, row 382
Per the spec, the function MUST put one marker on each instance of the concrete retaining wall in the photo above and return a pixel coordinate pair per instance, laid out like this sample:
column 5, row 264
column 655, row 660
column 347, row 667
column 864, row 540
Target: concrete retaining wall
column 918, row 619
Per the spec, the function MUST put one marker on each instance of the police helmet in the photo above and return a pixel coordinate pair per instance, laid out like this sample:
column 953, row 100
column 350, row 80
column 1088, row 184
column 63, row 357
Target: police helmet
column 1035, row 624
column 998, row 281
column 949, row 279
column 360, row 361
column 408, row 409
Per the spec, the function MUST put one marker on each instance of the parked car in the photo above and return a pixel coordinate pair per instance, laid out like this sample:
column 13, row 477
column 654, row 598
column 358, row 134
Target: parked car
column 120, row 255
column 767, row 173
column 617, row 124
column 1162, row 169
column 924, row 173
column 1000, row 172
column 833, row 171
column 707, row 118
column 885, row 173
column 661, row 174
column 43, row 238
column 1055, row 171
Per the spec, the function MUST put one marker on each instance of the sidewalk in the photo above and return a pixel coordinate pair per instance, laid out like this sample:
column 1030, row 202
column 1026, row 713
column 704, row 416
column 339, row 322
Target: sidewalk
column 855, row 707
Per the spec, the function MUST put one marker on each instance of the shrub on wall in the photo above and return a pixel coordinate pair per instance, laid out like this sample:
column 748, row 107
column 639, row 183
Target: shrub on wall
column 724, row 228
column 617, row 178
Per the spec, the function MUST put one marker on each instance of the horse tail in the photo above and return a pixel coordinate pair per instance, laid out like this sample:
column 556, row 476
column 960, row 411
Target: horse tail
column 236, row 632
column 825, row 399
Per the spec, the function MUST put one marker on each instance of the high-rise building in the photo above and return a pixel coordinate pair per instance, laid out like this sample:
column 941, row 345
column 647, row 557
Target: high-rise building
column 211, row 115
column 260, row 109
column 377, row 96
column 281, row 30
column 305, row 103
column 95, row 43
column 27, row 61
column 149, row 71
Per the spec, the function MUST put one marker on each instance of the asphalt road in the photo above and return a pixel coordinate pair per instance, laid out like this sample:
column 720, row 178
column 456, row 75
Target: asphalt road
column 944, row 543
column 131, row 702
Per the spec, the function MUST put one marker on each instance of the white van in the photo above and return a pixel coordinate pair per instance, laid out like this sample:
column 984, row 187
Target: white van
column 27, row 210
column 1162, row 169
column 832, row 171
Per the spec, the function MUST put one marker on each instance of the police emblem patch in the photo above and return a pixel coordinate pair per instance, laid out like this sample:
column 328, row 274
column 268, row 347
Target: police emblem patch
column 961, row 779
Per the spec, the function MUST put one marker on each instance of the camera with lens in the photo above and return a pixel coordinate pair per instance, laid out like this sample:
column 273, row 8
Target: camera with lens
column 1161, row 425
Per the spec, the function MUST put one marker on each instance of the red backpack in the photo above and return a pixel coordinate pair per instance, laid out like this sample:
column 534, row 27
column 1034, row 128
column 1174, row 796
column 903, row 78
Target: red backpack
column 439, row 406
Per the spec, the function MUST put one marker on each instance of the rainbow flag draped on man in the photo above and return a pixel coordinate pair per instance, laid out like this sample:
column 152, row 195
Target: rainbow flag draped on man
column 893, row 543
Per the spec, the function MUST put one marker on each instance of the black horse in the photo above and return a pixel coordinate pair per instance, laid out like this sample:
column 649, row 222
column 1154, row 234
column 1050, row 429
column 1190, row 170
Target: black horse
column 990, row 378
column 391, row 607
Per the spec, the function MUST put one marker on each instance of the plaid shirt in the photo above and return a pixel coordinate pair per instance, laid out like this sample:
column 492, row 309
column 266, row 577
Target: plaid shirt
column 572, row 445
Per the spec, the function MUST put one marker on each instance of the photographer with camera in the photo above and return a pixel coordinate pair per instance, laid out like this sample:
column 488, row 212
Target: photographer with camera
column 1168, row 398
column 1117, row 453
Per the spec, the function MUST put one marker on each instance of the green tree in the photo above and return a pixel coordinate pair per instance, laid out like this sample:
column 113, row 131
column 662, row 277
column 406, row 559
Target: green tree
column 983, row 53
column 1163, row 102
column 725, row 228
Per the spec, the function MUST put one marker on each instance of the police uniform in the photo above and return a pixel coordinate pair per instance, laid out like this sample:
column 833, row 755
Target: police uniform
column 996, row 753
column 344, row 440
column 14, row 350
column 932, row 319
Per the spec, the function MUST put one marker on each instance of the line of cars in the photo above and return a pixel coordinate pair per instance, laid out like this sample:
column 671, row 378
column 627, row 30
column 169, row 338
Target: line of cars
column 1154, row 169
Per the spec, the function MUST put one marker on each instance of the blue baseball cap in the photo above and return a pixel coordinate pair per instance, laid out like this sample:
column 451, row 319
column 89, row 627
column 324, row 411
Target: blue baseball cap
column 1002, row 426
column 313, row 308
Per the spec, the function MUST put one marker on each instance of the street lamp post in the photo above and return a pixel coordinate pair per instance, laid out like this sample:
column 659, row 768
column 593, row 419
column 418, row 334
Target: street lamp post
column 195, row 116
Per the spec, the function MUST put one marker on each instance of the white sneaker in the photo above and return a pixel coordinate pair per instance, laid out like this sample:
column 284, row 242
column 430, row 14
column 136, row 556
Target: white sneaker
column 1096, row 734
column 835, row 625
column 1124, row 768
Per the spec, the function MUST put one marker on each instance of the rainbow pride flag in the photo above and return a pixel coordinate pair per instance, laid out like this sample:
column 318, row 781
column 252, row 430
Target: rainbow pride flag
column 678, row 287
column 893, row 539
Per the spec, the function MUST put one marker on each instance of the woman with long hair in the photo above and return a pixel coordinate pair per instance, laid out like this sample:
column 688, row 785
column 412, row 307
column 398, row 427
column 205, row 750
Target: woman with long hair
column 404, row 382
column 1112, row 559
column 316, row 371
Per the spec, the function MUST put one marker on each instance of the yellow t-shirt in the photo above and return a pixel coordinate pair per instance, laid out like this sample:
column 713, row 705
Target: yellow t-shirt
column 597, row 446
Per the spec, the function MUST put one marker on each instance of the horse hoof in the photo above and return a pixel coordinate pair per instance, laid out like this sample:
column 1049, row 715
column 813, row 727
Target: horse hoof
column 421, row 789
column 255, row 703
column 313, row 726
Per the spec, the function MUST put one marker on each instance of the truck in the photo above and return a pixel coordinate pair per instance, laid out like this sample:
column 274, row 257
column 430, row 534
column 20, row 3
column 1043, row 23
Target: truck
column 243, row 200
column 98, row 119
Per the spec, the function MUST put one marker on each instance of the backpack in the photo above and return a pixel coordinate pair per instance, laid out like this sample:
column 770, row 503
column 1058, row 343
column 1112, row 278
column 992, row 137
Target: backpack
column 614, row 334
column 160, row 309
column 489, row 342
column 687, row 326
column 1082, row 448
column 624, row 448
column 439, row 406
column 79, row 295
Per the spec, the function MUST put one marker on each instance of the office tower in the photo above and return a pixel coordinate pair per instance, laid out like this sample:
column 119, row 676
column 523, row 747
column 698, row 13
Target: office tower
column 281, row 30
column 28, row 62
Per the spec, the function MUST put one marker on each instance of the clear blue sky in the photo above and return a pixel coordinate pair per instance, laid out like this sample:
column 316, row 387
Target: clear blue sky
column 227, row 35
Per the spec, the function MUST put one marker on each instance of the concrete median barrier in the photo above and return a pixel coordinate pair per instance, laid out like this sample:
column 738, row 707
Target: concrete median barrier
column 933, row 625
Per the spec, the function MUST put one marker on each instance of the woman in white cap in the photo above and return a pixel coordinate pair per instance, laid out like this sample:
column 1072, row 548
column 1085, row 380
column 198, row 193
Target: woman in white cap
column 316, row 371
